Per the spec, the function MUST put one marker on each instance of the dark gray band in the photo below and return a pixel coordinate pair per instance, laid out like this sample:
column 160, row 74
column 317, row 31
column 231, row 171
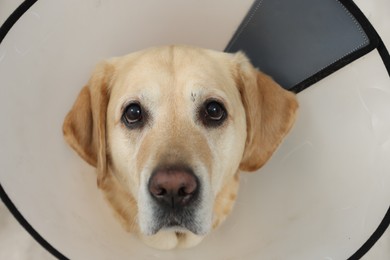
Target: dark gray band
column 293, row 40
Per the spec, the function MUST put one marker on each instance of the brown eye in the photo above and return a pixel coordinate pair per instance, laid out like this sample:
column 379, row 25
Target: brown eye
column 213, row 113
column 133, row 115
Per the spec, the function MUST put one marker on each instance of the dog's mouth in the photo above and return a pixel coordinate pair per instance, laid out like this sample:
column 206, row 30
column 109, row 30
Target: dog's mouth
column 175, row 221
column 174, row 224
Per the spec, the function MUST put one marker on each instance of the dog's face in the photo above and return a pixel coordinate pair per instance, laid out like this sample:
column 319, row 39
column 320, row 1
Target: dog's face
column 176, row 132
column 168, row 129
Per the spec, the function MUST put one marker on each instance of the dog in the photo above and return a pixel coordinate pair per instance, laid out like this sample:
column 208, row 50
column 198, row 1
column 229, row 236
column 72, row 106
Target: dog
column 169, row 130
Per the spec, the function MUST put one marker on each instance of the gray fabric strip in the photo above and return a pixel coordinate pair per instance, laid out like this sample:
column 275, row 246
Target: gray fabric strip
column 293, row 39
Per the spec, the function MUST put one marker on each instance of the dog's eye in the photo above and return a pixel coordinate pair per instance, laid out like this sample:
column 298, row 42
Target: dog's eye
column 214, row 114
column 214, row 111
column 132, row 115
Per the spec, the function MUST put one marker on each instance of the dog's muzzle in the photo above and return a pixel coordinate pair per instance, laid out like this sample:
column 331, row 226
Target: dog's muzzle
column 175, row 194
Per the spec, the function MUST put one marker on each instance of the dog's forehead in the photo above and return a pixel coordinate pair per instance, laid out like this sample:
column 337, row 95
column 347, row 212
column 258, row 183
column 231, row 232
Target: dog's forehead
column 173, row 69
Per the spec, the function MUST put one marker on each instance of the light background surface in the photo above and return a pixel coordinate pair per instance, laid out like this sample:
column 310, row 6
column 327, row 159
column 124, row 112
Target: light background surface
column 15, row 243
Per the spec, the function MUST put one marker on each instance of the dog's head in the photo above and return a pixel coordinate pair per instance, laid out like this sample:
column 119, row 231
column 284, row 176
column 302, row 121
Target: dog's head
column 168, row 130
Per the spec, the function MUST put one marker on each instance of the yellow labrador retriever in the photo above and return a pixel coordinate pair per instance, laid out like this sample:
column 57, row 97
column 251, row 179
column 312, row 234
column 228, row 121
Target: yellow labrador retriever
column 169, row 129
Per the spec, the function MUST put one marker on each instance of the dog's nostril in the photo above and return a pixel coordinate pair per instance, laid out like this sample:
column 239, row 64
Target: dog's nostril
column 161, row 192
column 188, row 189
column 182, row 192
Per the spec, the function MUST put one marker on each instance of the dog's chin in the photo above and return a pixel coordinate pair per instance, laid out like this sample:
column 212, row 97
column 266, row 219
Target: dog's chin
column 179, row 230
column 168, row 238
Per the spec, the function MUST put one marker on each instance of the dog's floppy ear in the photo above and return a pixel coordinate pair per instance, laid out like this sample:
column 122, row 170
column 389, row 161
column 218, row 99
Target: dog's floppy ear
column 270, row 113
column 84, row 126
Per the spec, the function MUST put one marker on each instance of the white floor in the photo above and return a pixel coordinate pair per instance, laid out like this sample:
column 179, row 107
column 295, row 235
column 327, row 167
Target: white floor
column 16, row 243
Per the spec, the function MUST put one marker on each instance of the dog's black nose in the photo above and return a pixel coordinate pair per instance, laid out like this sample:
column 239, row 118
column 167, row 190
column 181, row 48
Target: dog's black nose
column 173, row 187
